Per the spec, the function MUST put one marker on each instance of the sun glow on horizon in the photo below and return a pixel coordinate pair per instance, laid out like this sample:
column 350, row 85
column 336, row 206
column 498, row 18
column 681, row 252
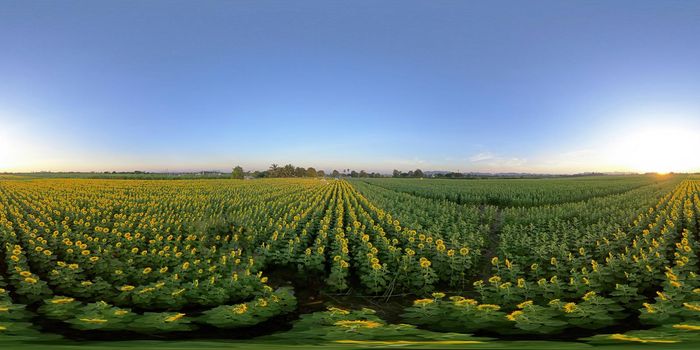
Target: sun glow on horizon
column 10, row 158
column 659, row 150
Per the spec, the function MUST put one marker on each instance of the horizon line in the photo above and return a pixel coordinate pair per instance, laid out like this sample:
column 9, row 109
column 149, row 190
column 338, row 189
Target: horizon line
column 199, row 171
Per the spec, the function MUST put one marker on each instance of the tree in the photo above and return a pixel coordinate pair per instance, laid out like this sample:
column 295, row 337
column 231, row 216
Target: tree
column 418, row 173
column 336, row 173
column 321, row 173
column 274, row 171
column 363, row 173
column 287, row 171
column 354, row 174
column 396, row 173
column 299, row 172
column 237, row 172
column 311, row 172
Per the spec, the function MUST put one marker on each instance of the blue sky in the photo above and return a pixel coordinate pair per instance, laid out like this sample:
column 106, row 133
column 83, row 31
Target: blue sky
column 539, row 86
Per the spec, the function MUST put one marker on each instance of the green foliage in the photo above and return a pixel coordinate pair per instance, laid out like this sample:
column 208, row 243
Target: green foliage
column 157, row 322
column 15, row 322
column 159, row 257
column 337, row 324
column 15, row 332
column 251, row 313
column 102, row 316
column 237, row 173
column 60, row 308
column 513, row 192
column 536, row 319
column 455, row 315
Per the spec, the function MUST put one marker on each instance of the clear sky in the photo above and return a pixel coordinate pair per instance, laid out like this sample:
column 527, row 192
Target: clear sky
column 536, row 86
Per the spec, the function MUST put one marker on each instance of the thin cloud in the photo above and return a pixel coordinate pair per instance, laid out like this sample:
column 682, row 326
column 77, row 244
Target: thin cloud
column 483, row 156
column 488, row 161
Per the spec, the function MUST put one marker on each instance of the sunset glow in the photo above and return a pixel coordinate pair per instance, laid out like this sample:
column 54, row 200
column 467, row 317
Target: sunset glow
column 660, row 150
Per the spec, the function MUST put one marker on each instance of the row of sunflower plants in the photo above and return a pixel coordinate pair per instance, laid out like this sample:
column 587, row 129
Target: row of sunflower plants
column 586, row 299
column 113, row 247
column 106, row 317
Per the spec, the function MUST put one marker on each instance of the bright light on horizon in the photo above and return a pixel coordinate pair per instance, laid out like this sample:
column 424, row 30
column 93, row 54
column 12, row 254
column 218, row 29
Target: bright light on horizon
column 657, row 149
column 10, row 155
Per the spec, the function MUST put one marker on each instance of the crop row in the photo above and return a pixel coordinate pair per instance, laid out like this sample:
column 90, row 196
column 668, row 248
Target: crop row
column 163, row 256
column 516, row 192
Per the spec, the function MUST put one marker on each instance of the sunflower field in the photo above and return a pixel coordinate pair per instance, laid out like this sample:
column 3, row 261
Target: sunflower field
column 127, row 257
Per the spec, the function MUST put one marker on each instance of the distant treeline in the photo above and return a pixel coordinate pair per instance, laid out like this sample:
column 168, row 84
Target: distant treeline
column 290, row 170
column 410, row 173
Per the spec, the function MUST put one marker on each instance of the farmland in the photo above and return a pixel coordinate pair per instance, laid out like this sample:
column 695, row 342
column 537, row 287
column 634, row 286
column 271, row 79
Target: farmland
column 612, row 258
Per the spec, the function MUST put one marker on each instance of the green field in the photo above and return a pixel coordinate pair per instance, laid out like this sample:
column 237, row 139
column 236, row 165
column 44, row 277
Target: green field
column 598, row 261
